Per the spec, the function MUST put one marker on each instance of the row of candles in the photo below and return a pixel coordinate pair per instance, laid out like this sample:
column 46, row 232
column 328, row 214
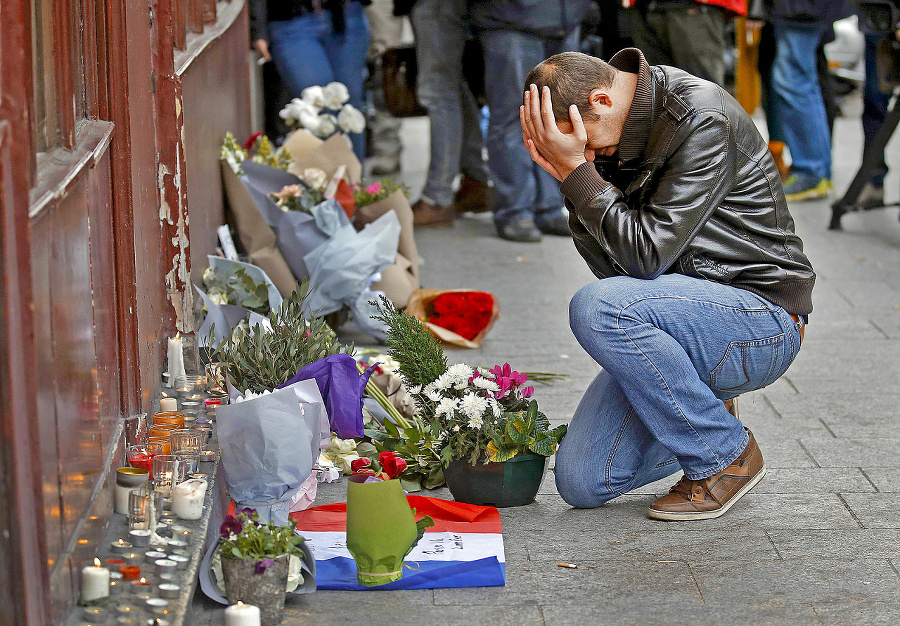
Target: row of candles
column 140, row 577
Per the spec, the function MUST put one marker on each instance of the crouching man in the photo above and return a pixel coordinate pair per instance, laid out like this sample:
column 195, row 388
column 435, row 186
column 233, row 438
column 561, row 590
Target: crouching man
column 677, row 207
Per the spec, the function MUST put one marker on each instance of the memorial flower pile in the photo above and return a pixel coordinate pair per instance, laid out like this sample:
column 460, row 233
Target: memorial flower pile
column 244, row 536
column 237, row 288
column 466, row 313
column 305, row 195
column 366, row 194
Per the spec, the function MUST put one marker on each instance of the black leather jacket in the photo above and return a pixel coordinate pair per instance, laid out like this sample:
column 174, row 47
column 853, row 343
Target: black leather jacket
column 701, row 197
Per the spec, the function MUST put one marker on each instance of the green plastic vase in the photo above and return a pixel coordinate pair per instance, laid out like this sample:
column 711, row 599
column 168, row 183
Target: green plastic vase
column 381, row 529
column 512, row 483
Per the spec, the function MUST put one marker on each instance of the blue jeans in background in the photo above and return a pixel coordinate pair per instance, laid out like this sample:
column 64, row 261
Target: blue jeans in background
column 521, row 187
column 875, row 103
column 307, row 52
column 671, row 349
column 798, row 99
column 440, row 28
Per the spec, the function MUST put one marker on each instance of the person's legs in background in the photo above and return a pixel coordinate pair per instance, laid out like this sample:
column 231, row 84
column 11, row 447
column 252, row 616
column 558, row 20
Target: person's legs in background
column 440, row 32
column 347, row 52
column 526, row 198
column 798, row 98
column 875, row 107
column 385, row 30
column 697, row 40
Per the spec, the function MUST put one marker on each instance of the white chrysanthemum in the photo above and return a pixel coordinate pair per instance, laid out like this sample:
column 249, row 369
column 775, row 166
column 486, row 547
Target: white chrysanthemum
column 334, row 95
column 495, row 407
column 483, row 371
column 415, row 390
column 485, row 383
column 314, row 95
column 447, row 406
column 461, row 370
column 474, row 407
column 434, row 395
column 475, row 423
column 444, row 381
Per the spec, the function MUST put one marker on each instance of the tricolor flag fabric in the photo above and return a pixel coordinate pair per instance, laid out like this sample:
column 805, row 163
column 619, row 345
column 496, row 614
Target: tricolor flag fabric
column 463, row 549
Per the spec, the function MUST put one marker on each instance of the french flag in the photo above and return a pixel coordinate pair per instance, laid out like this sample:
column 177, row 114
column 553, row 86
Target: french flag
column 464, row 548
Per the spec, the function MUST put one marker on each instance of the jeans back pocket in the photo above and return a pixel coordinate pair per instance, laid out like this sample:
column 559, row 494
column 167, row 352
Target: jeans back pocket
column 748, row 365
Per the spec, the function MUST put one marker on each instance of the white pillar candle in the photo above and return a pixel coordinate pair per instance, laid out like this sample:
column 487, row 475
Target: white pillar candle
column 94, row 582
column 168, row 405
column 241, row 614
column 176, row 360
column 187, row 499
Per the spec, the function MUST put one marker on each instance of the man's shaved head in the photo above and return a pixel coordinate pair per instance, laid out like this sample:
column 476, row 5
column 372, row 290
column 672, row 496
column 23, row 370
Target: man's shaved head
column 571, row 77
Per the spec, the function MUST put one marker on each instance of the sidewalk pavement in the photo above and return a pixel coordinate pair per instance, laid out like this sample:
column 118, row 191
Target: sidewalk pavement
column 816, row 542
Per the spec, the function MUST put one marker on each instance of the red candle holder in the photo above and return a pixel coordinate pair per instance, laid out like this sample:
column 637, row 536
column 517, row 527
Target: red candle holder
column 130, row 572
column 115, row 563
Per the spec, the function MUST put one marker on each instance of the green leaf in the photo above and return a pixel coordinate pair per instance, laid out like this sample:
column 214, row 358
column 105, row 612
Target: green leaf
column 435, row 478
column 412, row 435
column 421, row 525
column 544, row 446
column 411, row 484
column 367, row 450
column 236, row 553
column 518, row 431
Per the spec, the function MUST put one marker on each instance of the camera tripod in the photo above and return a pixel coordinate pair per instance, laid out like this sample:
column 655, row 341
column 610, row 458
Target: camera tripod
column 870, row 163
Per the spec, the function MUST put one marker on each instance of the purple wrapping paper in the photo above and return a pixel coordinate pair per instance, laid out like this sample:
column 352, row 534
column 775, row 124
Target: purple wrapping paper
column 342, row 388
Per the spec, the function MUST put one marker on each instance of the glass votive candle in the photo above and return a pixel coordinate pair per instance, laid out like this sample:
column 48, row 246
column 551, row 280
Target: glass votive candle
column 169, row 417
column 141, row 456
column 162, row 430
column 186, row 440
column 143, row 503
column 128, row 478
column 165, row 446
column 168, row 471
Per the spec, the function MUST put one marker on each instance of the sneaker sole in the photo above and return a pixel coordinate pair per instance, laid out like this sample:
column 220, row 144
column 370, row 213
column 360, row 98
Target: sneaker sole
column 671, row 516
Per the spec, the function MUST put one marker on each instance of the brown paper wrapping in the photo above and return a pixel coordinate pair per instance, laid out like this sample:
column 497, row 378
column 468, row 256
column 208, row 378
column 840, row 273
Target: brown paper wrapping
column 307, row 150
column 420, row 307
column 399, row 280
column 255, row 235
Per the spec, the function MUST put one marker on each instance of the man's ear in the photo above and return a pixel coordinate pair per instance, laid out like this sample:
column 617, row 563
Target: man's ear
column 600, row 100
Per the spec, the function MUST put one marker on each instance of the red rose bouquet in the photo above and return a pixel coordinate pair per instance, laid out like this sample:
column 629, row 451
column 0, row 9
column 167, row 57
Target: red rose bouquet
column 457, row 316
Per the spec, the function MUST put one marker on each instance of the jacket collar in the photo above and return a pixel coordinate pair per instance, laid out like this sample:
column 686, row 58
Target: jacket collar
column 640, row 116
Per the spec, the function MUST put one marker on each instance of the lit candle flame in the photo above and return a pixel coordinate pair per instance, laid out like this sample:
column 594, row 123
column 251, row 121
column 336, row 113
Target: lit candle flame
column 178, row 335
column 143, row 580
column 240, row 603
column 96, row 562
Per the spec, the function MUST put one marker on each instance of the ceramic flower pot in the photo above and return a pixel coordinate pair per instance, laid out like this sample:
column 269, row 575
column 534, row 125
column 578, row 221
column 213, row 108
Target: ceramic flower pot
column 381, row 529
column 512, row 483
column 265, row 590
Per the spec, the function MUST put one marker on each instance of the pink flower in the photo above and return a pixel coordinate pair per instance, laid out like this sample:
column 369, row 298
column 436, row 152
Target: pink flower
column 373, row 189
column 528, row 392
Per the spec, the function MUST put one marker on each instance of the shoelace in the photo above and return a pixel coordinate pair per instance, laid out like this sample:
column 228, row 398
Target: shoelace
column 693, row 490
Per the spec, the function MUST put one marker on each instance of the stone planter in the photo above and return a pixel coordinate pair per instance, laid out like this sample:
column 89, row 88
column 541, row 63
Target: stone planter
column 264, row 590
column 512, row 483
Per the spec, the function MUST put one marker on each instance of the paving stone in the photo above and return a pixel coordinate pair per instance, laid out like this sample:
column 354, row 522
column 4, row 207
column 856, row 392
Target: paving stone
column 877, row 510
column 845, row 414
column 668, row 544
column 852, row 452
column 677, row 613
column 773, row 583
column 868, row 614
column 866, row 543
column 339, row 612
column 886, row 479
column 602, row 581
column 814, row 480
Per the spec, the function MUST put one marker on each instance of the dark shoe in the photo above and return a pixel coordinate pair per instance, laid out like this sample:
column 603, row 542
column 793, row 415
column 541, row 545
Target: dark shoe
column 426, row 214
column 473, row 196
column 556, row 224
column 713, row 496
column 522, row 230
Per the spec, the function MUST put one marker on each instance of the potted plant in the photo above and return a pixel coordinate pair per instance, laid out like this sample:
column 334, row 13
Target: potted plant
column 255, row 561
column 494, row 442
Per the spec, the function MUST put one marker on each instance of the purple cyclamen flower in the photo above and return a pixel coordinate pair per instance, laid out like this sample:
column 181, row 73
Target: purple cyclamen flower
column 230, row 526
column 262, row 566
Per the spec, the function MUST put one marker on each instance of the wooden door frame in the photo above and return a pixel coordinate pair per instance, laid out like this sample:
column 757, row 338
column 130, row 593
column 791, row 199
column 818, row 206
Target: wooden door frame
column 22, row 517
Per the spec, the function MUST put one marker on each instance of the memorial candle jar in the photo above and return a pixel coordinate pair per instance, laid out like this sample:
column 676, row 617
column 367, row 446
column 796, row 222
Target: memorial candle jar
column 143, row 506
column 94, row 582
column 175, row 418
column 141, row 456
column 128, row 478
column 168, row 405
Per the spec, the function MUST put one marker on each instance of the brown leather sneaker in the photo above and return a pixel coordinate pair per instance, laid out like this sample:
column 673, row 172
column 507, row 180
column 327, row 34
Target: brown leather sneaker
column 713, row 496
column 473, row 196
column 427, row 214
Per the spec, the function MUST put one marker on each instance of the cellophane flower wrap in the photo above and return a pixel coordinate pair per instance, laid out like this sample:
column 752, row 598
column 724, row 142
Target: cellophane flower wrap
column 460, row 317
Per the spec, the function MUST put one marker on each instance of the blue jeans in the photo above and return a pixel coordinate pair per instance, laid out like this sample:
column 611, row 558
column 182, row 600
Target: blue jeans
column 798, row 99
column 521, row 187
column 671, row 350
column 308, row 52
column 875, row 103
column 456, row 140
